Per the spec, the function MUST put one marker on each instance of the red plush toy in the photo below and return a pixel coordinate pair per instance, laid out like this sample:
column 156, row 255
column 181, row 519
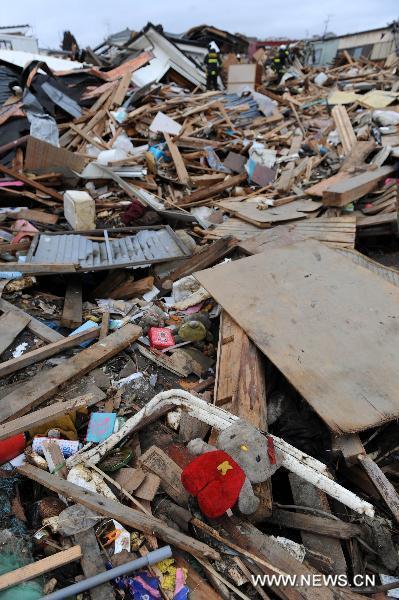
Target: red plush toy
column 216, row 480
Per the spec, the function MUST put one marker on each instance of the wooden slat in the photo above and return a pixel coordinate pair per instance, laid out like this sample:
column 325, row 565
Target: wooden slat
column 344, row 127
column 11, row 326
column 49, row 413
column 45, row 565
column 322, row 526
column 178, row 161
column 72, row 310
column 352, row 189
column 34, row 325
column 29, row 358
column 46, row 384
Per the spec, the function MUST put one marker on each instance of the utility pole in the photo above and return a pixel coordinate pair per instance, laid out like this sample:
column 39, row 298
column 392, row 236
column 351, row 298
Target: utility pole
column 326, row 22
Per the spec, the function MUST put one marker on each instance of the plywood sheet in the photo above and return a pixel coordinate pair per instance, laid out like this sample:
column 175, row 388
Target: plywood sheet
column 249, row 211
column 328, row 324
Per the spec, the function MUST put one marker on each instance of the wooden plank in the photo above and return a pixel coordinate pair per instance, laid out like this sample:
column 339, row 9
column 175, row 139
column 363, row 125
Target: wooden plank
column 344, row 127
column 307, row 285
column 306, row 494
column 249, row 211
column 213, row 190
column 338, row 231
column 121, row 90
column 92, row 563
column 199, row 588
column 350, row 445
column 72, row 311
column 383, row 485
column 240, row 380
column 35, row 326
column 45, row 384
column 34, row 356
column 37, row 215
column 178, row 161
column 111, row 508
column 158, row 462
column 328, row 528
column 40, row 567
column 352, row 189
column 104, row 325
column 31, row 183
column 49, row 413
column 11, row 326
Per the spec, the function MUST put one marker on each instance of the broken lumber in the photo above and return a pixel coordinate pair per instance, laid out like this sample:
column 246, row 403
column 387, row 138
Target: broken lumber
column 120, row 512
column 92, row 563
column 72, row 311
column 383, row 485
column 181, row 170
column 321, row 526
column 47, row 383
column 29, row 358
column 10, row 327
column 34, row 325
column 45, row 565
column 49, row 413
column 344, row 127
column 353, row 188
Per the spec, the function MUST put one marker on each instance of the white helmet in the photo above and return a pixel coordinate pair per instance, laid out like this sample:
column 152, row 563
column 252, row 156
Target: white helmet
column 283, row 47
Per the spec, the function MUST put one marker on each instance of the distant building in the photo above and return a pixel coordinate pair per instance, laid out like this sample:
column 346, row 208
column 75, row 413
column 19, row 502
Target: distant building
column 15, row 37
column 373, row 44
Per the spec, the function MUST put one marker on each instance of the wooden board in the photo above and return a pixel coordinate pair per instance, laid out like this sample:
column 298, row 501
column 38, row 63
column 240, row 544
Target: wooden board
column 158, row 462
column 45, row 565
column 31, row 183
column 322, row 526
column 248, row 211
column 291, row 300
column 240, row 381
column 345, row 130
column 111, row 508
column 178, row 160
column 37, row 215
column 352, row 189
column 11, row 326
column 29, row 358
column 339, row 231
column 319, row 188
column 49, row 413
column 92, row 563
column 45, row 384
column 238, row 229
column 35, row 326
column 72, row 310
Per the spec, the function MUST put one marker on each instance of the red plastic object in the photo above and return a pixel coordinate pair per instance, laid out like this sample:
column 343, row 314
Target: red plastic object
column 12, row 447
column 160, row 337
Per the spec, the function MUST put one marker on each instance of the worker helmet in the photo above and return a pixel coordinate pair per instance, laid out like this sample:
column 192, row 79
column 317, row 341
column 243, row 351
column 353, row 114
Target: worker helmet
column 283, row 47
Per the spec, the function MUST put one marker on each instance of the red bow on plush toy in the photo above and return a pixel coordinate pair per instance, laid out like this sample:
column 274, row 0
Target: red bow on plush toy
column 216, row 480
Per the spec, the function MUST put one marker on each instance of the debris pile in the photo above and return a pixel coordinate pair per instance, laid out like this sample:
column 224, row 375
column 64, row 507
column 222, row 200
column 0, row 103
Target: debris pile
column 199, row 369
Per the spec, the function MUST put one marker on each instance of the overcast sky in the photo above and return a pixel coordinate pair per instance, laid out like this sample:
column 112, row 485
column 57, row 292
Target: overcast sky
column 92, row 20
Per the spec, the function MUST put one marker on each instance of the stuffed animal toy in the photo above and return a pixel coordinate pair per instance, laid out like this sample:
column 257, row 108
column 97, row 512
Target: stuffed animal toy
column 247, row 448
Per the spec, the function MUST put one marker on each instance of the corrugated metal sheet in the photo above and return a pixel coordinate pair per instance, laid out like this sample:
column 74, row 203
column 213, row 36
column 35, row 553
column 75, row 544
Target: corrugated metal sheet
column 147, row 246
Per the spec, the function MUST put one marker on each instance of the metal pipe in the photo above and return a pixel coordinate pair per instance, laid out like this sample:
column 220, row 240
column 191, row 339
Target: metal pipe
column 87, row 584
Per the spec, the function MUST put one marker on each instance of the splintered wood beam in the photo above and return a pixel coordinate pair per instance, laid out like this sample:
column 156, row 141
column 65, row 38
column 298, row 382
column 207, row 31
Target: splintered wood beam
column 40, row 567
column 46, row 383
column 177, row 158
column 353, row 188
column 72, row 311
column 111, row 508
